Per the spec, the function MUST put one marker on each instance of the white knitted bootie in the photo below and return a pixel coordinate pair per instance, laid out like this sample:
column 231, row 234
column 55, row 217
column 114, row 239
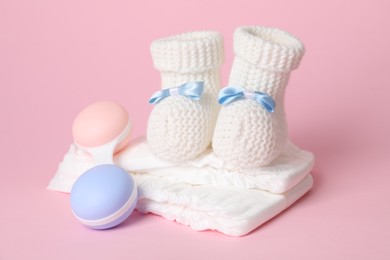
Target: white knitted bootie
column 181, row 127
column 247, row 132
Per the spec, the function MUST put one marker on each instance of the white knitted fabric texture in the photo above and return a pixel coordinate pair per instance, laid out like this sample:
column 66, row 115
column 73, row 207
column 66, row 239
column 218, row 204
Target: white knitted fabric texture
column 246, row 134
column 180, row 128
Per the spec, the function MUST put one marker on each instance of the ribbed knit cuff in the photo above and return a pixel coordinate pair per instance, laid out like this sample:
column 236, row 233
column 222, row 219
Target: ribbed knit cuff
column 268, row 48
column 188, row 52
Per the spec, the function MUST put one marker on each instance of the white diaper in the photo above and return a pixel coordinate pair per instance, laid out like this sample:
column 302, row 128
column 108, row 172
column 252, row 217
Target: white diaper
column 204, row 193
column 278, row 177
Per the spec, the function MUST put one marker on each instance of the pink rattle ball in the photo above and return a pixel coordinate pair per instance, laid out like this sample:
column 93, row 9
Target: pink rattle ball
column 100, row 123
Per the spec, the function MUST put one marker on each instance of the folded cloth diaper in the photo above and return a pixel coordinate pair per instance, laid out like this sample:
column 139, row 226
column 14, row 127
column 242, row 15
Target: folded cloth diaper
column 203, row 193
column 230, row 210
column 285, row 172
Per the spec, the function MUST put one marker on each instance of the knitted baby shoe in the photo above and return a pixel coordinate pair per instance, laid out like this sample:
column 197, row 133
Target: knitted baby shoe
column 250, row 132
column 180, row 127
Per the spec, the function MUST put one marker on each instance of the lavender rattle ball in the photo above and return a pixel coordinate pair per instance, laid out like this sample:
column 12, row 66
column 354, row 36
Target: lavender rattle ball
column 103, row 196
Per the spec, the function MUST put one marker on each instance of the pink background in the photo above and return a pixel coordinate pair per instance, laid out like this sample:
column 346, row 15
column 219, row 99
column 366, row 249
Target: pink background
column 58, row 56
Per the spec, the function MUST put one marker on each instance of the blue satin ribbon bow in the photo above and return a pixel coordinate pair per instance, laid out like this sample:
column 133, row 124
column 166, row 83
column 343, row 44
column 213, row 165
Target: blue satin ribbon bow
column 231, row 94
column 191, row 90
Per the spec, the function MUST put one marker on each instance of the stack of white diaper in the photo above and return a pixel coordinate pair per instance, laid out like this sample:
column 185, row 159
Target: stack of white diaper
column 202, row 192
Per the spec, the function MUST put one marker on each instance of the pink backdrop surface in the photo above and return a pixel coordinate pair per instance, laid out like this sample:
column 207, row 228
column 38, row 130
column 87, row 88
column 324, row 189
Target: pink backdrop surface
column 58, row 56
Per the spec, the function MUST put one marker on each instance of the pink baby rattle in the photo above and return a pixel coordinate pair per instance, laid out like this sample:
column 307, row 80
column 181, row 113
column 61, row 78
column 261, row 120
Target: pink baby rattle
column 105, row 195
column 102, row 129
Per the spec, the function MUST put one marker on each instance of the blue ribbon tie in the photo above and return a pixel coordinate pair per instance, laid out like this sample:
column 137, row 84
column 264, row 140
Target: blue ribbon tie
column 191, row 90
column 231, row 94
